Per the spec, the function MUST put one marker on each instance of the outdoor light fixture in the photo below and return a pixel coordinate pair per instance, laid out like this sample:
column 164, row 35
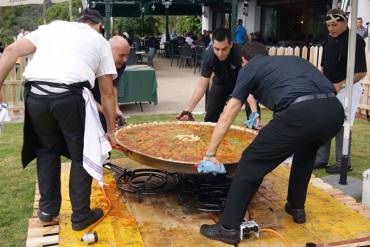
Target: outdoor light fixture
column 167, row 3
column 153, row 6
column 142, row 9
column 245, row 8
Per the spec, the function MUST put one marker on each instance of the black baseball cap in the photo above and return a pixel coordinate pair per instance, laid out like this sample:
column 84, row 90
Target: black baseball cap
column 90, row 15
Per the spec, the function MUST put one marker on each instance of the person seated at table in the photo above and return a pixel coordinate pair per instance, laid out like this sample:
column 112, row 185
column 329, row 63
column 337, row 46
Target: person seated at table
column 127, row 37
column 120, row 51
column 189, row 40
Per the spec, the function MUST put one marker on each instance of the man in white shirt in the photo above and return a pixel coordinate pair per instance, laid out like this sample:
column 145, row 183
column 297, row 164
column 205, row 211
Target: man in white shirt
column 67, row 57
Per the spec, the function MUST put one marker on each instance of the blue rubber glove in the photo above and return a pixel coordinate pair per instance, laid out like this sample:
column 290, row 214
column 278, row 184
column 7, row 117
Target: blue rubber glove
column 251, row 122
column 206, row 166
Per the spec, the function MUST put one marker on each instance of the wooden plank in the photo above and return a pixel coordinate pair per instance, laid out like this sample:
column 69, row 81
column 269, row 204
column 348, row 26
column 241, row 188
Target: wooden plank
column 297, row 51
column 304, row 52
column 42, row 241
column 288, row 51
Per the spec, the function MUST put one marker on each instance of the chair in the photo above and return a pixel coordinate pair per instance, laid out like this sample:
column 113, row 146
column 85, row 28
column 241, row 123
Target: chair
column 174, row 51
column 162, row 50
column 186, row 55
column 199, row 52
column 150, row 56
column 132, row 57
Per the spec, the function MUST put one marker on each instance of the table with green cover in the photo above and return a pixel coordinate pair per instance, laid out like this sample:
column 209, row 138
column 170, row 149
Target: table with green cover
column 138, row 84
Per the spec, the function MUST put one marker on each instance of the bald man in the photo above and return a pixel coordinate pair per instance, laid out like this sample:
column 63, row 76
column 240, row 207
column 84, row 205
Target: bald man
column 121, row 51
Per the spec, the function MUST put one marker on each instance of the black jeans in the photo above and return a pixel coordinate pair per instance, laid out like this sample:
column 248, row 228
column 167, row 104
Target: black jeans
column 217, row 97
column 57, row 119
column 300, row 129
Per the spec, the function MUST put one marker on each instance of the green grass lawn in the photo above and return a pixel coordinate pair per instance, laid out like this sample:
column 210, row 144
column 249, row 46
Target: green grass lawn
column 17, row 185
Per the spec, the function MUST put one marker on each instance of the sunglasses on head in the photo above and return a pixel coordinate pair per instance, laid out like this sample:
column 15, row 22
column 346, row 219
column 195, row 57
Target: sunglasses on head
column 335, row 18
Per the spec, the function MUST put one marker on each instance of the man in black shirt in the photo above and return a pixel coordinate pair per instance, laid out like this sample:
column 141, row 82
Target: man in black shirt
column 120, row 51
column 334, row 67
column 224, row 60
column 306, row 115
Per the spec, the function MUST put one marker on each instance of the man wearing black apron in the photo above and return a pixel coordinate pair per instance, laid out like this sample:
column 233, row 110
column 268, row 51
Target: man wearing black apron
column 306, row 115
column 224, row 60
column 67, row 56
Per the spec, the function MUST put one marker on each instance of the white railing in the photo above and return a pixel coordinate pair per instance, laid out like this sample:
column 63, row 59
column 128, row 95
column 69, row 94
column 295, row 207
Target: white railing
column 12, row 90
column 314, row 55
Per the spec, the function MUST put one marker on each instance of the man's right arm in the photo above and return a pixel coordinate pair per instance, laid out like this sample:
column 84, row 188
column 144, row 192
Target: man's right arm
column 19, row 48
column 198, row 93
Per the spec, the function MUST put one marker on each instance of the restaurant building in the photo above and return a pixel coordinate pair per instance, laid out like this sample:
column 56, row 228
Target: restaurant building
column 281, row 22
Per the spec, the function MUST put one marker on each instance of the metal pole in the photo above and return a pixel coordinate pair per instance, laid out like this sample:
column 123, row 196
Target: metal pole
column 349, row 88
column 167, row 29
column 142, row 9
column 108, row 15
column 234, row 15
column 70, row 10
column 44, row 11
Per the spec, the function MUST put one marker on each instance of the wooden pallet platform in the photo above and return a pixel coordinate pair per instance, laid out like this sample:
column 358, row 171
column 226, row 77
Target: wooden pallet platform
column 39, row 233
column 333, row 218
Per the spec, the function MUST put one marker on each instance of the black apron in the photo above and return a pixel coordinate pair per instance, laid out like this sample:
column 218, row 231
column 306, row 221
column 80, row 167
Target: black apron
column 31, row 141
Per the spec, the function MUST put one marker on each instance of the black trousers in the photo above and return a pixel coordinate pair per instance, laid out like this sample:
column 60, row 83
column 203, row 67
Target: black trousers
column 217, row 97
column 56, row 119
column 300, row 129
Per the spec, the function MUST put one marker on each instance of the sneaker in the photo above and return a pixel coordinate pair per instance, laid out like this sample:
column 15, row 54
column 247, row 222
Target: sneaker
column 94, row 216
column 299, row 215
column 45, row 217
column 218, row 232
column 320, row 165
column 335, row 169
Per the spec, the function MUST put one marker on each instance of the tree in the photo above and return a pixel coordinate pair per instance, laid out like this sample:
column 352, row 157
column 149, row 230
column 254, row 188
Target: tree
column 132, row 25
column 187, row 24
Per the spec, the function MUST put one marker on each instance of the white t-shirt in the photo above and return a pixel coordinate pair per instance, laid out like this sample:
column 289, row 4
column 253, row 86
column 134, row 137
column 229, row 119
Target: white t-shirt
column 189, row 40
column 69, row 52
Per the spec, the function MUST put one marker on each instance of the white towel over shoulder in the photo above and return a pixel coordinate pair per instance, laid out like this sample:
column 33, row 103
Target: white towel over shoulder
column 96, row 144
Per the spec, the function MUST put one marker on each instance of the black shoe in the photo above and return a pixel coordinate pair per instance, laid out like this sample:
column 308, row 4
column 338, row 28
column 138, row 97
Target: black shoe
column 218, row 232
column 320, row 165
column 94, row 216
column 299, row 215
column 45, row 217
column 335, row 169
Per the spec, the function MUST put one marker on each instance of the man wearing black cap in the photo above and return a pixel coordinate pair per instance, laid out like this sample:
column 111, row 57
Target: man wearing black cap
column 306, row 115
column 67, row 57
column 334, row 67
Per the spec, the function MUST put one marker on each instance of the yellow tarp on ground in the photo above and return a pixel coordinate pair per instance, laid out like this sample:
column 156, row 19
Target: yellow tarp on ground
column 160, row 219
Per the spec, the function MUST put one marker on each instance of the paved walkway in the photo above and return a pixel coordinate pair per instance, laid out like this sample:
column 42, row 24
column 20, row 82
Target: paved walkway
column 175, row 86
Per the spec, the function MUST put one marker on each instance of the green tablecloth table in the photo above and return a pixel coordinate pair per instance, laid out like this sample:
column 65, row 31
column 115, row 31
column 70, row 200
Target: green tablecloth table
column 138, row 84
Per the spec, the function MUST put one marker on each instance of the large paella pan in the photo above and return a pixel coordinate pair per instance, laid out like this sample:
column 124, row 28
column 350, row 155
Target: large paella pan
column 178, row 146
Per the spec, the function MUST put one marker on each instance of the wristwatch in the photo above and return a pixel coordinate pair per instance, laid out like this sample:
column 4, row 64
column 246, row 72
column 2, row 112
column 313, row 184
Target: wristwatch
column 210, row 155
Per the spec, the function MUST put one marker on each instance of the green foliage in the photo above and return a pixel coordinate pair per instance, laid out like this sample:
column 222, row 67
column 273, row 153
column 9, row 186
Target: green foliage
column 29, row 17
column 187, row 24
column 132, row 25
column 60, row 11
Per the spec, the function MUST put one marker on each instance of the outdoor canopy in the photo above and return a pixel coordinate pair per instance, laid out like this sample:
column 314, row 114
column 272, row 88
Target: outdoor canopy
column 135, row 8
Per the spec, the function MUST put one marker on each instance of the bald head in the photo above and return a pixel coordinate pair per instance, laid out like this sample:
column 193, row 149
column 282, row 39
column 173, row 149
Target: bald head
column 120, row 50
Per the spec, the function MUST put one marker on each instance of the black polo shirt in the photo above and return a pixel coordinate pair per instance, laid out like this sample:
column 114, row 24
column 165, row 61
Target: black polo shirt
column 226, row 71
column 277, row 81
column 96, row 91
column 334, row 57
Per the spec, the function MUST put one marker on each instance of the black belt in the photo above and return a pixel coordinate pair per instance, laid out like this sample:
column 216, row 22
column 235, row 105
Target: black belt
column 313, row 96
